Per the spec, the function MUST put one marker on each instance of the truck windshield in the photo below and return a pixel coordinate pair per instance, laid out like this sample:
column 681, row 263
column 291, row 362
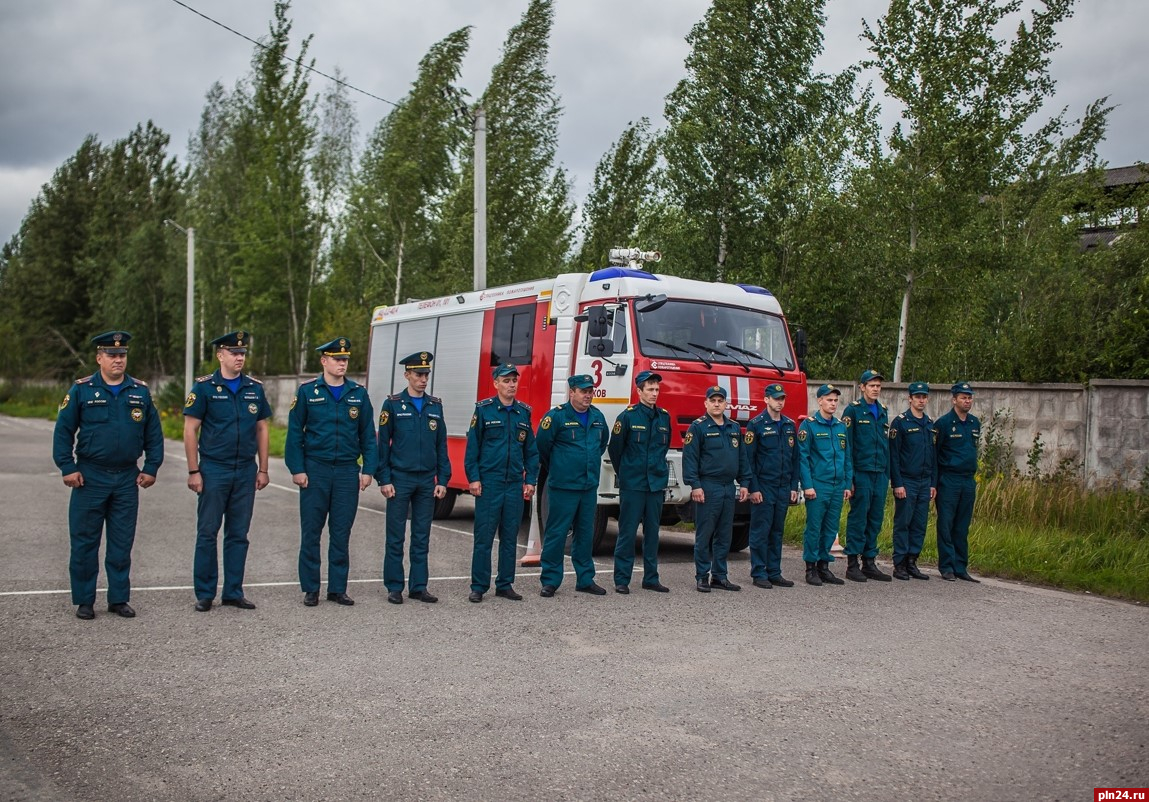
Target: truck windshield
column 690, row 331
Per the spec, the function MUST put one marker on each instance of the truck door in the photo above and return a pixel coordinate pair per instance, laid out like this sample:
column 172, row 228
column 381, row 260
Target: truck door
column 606, row 353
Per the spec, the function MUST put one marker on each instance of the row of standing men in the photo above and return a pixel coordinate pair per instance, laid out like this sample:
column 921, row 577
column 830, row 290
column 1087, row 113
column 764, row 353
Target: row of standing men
column 334, row 450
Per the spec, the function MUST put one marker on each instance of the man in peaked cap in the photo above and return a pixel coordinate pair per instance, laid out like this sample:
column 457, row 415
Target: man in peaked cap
column 412, row 470
column 712, row 460
column 638, row 445
column 330, row 427
column 827, row 476
column 226, row 443
column 867, row 427
column 502, row 464
column 958, row 436
column 571, row 440
column 912, row 477
column 116, row 421
column 772, row 451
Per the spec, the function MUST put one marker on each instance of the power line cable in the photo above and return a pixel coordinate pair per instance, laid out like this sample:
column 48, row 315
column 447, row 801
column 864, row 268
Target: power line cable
column 285, row 56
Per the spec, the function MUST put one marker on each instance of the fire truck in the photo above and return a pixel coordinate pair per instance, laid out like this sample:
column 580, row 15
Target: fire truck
column 612, row 324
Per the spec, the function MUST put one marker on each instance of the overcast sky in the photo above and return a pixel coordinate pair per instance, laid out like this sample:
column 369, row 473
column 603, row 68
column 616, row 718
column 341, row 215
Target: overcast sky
column 69, row 68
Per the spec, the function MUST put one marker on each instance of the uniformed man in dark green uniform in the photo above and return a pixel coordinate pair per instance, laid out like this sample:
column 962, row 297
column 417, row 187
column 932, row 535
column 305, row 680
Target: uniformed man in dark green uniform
column 867, row 426
column 116, row 421
column 330, row 428
column 413, row 471
column 712, row 459
column 638, row 445
column 958, row 435
column 912, row 478
column 571, row 440
column 772, row 451
column 226, row 443
column 502, row 464
column 827, row 476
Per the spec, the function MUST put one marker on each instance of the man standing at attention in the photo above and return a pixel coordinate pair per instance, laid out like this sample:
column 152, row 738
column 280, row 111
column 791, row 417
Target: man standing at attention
column 413, row 470
column 571, row 441
column 225, row 436
column 116, row 421
column 711, row 461
column 330, row 427
column 772, row 451
column 638, row 446
column 958, row 434
column 502, row 464
column 912, row 478
column 867, row 426
column 827, row 476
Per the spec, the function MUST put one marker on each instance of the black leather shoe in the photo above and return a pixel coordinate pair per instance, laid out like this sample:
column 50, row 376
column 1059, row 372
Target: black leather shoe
column 341, row 598
column 395, row 597
column 853, row 570
column 900, row 571
column 85, row 612
column 913, row 570
column 657, row 587
column 475, row 597
column 242, row 603
column 593, row 589
column 781, row 582
column 765, row 584
column 623, row 589
column 202, row 605
column 423, row 596
column 547, row 591
column 826, row 576
column 812, row 577
column 122, row 609
column 703, row 586
column 311, row 599
column 948, row 576
column 968, row 578
column 724, row 584
column 872, row 571
column 508, row 593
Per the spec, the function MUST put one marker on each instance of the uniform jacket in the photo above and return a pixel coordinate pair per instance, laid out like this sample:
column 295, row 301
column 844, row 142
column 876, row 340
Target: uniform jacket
column 638, row 445
column 712, row 453
column 227, row 433
column 957, row 443
column 869, row 436
column 772, row 451
column 911, row 449
column 114, row 430
column 322, row 429
column 501, row 444
column 411, row 441
column 825, row 452
column 572, row 453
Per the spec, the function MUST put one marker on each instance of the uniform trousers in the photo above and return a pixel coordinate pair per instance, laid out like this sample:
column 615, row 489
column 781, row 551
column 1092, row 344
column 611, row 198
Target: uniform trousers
column 713, row 527
column 635, row 507
column 108, row 501
column 569, row 510
column 867, row 509
column 228, row 498
column 955, row 499
column 332, row 498
column 767, row 523
column 823, row 514
column 498, row 510
column 910, row 516
column 414, row 495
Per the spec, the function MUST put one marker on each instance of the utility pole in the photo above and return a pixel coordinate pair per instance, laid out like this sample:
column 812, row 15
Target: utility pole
column 189, row 301
column 480, row 117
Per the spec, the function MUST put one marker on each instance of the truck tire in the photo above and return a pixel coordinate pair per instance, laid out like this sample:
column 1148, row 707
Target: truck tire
column 444, row 505
column 602, row 515
column 740, row 536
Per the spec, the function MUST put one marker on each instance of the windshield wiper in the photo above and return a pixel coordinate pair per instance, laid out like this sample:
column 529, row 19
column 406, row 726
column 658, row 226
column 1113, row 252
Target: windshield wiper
column 741, row 364
column 756, row 356
column 679, row 349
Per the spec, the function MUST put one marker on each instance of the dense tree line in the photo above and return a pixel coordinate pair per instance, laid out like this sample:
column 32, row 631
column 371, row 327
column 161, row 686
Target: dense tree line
column 949, row 245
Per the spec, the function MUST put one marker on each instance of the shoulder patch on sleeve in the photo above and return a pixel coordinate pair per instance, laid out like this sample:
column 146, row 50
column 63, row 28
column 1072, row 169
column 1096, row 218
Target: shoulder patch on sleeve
column 546, row 424
column 846, row 420
column 384, row 416
column 748, row 437
column 802, row 434
column 687, row 438
column 617, row 427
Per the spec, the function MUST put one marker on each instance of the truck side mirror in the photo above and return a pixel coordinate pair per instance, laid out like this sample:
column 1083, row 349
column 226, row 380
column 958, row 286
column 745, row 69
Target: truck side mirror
column 600, row 347
column 598, row 323
column 800, row 348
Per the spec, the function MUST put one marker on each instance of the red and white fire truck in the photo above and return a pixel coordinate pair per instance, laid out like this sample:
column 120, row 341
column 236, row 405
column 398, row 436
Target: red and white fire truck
column 612, row 323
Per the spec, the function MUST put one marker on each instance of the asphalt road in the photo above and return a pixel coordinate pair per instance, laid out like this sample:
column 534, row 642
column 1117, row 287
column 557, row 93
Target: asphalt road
column 903, row 690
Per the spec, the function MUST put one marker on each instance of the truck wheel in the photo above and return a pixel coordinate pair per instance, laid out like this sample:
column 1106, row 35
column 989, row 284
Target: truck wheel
column 602, row 514
column 444, row 505
column 740, row 536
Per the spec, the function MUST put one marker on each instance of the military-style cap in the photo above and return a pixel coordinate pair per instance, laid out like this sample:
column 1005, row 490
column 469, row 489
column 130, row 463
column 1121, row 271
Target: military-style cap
column 505, row 369
column 645, row 376
column 826, row 389
column 962, row 387
column 112, row 342
column 919, row 388
column 340, row 348
column 869, row 376
column 774, row 391
column 714, row 390
column 235, row 341
column 418, row 362
column 581, row 381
